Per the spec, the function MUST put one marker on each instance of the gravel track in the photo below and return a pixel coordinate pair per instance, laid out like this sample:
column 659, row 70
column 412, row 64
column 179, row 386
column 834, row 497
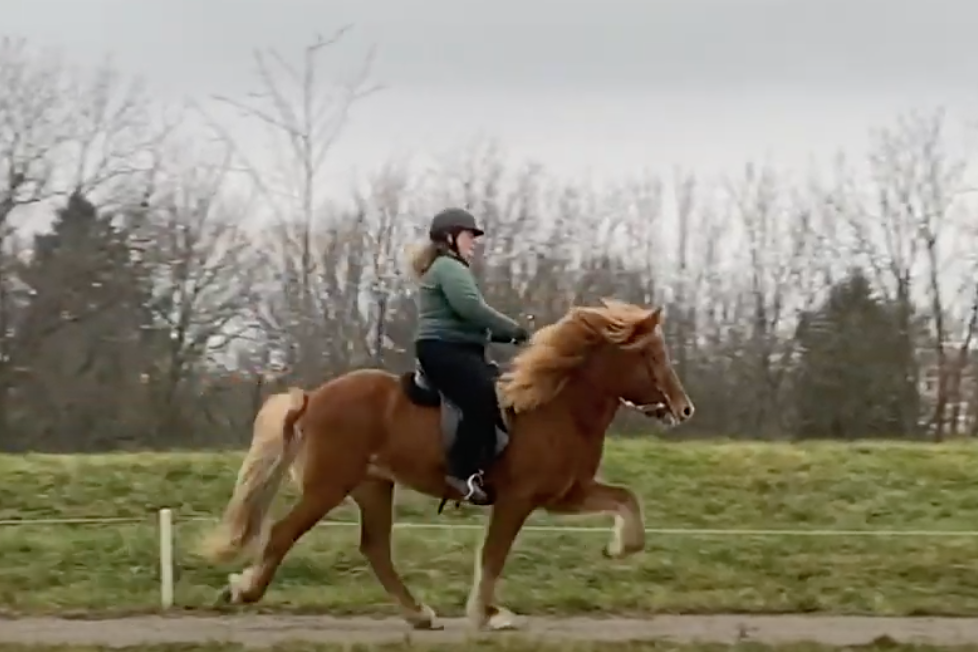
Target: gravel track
column 266, row 630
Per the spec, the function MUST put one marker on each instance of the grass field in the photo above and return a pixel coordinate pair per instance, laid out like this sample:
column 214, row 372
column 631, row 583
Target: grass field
column 105, row 569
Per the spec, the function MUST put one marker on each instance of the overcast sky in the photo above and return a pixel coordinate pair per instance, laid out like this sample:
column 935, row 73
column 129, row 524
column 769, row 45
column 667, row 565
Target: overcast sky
column 607, row 86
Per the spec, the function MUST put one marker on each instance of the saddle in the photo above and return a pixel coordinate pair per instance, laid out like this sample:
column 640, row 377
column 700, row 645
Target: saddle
column 421, row 391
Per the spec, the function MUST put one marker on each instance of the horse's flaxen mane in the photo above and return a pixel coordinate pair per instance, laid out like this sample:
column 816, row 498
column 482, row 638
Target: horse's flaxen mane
column 540, row 372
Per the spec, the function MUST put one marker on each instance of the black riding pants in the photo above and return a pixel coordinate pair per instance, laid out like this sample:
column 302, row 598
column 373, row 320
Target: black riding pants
column 461, row 372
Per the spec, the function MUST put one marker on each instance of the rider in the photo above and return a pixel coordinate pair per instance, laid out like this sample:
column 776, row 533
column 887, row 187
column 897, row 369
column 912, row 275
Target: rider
column 454, row 326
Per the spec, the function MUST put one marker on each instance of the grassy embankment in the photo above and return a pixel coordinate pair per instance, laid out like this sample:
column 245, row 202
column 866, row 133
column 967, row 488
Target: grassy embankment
column 111, row 568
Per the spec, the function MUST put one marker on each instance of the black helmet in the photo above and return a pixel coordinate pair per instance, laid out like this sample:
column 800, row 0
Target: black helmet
column 452, row 220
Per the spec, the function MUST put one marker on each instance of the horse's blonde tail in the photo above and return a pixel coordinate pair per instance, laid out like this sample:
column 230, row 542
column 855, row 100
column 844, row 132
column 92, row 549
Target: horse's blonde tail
column 274, row 446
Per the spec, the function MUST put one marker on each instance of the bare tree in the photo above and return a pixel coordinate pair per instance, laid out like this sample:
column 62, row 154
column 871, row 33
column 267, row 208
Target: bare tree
column 385, row 205
column 687, row 282
column 777, row 237
column 302, row 115
column 917, row 183
column 204, row 277
column 64, row 130
column 117, row 135
column 963, row 381
column 641, row 221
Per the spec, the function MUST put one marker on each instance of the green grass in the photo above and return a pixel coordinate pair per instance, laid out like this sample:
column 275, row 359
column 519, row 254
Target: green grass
column 108, row 569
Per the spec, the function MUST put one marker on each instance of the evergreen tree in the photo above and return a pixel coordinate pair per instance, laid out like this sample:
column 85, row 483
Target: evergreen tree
column 84, row 328
column 855, row 376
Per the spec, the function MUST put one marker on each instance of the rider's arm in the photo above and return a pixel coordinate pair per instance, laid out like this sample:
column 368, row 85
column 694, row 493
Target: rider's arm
column 463, row 295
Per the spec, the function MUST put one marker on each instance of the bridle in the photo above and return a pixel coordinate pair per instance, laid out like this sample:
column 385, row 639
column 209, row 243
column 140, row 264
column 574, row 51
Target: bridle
column 658, row 411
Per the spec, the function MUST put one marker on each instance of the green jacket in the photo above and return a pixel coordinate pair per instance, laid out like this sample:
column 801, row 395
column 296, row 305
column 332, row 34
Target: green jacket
column 451, row 307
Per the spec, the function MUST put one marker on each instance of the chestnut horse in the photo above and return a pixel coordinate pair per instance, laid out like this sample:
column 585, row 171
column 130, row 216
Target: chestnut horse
column 360, row 433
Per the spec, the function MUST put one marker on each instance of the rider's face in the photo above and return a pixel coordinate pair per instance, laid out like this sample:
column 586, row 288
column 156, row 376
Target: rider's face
column 465, row 243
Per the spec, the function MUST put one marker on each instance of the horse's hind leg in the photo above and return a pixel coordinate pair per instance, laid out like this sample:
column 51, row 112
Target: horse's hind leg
column 317, row 500
column 375, row 498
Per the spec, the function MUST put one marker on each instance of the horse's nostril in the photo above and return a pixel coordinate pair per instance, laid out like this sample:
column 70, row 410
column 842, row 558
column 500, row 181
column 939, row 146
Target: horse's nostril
column 687, row 412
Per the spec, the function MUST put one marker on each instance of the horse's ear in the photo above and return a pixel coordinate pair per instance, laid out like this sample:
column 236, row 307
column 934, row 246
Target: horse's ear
column 654, row 318
column 593, row 317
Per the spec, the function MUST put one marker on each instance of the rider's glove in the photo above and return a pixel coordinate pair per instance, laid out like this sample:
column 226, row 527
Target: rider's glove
column 521, row 335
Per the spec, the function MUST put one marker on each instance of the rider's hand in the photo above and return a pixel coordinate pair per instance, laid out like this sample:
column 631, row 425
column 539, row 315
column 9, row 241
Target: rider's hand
column 521, row 336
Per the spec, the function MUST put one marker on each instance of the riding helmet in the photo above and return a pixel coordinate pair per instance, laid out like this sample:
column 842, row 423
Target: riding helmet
column 451, row 221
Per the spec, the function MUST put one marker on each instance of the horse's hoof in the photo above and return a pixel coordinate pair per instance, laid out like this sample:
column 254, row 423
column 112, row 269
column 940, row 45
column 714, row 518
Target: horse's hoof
column 231, row 593
column 426, row 621
column 616, row 553
column 503, row 620
column 224, row 597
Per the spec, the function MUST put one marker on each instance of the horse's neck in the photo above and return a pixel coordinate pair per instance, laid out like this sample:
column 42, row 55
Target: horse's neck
column 592, row 410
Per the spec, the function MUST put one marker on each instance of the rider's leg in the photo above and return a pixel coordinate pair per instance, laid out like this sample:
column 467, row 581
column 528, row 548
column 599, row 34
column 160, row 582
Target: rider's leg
column 460, row 372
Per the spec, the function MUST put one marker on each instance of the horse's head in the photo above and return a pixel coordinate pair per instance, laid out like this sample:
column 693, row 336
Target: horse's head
column 638, row 363
column 633, row 360
column 617, row 349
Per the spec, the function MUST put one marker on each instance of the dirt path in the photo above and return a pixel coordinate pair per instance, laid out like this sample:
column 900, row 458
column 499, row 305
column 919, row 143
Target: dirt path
column 265, row 630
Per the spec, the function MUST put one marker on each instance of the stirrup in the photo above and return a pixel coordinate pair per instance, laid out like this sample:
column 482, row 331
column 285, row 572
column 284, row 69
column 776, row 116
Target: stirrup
column 474, row 484
column 468, row 488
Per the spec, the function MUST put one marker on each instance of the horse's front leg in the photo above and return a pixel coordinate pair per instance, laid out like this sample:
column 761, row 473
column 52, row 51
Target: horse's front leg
column 595, row 497
column 505, row 523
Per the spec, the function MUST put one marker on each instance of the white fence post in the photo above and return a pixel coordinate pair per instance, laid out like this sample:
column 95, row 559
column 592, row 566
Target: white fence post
column 166, row 558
